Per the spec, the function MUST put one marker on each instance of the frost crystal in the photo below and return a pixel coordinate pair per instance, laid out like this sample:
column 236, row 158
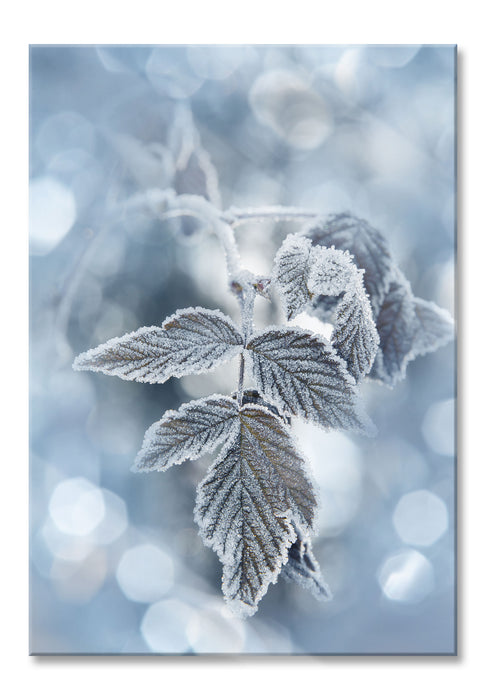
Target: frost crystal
column 246, row 505
column 330, row 271
column 196, row 428
column 302, row 373
column 189, row 342
column 366, row 245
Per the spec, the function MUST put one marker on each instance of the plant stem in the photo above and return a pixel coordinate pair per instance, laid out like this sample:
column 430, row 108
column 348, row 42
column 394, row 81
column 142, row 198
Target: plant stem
column 194, row 205
column 237, row 217
column 241, row 379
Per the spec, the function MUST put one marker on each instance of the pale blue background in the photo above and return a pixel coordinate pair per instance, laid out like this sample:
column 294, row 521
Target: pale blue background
column 116, row 563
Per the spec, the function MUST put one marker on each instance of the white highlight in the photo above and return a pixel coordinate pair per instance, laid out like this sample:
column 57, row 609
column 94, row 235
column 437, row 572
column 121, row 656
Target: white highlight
column 145, row 573
column 52, row 212
column 77, row 506
column 420, row 518
column 407, row 577
column 438, row 427
column 164, row 627
column 336, row 464
column 214, row 631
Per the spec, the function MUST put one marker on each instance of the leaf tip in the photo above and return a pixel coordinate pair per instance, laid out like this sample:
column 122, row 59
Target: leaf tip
column 81, row 362
column 240, row 608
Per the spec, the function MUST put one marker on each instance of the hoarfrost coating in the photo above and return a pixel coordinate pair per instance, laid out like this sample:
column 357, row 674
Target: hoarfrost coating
column 256, row 507
column 125, row 159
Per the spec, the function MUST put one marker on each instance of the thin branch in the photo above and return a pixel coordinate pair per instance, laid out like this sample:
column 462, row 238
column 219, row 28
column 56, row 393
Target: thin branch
column 206, row 211
column 241, row 379
column 167, row 204
column 237, row 217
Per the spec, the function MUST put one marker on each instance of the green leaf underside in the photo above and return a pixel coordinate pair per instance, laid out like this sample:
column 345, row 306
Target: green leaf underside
column 189, row 342
column 303, row 375
column 247, row 502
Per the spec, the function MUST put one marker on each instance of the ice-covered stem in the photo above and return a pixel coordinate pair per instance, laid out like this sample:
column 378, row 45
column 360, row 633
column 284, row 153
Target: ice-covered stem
column 166, row 204
column 200, row 208
column 243, row 284
column 245, row 287
column 237, row 217
column 241, row 379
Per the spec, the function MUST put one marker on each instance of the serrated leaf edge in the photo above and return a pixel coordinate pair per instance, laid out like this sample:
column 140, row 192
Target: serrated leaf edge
column 191, row 454
column 231, row 352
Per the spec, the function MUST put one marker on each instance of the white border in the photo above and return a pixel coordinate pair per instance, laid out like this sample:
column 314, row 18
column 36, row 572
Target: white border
column 251, row 21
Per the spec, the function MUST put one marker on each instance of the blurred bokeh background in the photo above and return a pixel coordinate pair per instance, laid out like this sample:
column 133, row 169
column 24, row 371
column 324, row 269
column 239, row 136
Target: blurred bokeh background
column 116, row 562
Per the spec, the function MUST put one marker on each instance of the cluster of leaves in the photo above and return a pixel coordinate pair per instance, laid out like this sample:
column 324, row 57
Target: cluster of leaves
column 257, row 505
column 407, row 326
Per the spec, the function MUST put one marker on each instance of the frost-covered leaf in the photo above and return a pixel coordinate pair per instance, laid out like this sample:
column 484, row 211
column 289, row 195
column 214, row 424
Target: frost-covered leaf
column 303, row 374
column 198, row 176
column 408, row 326
column 196, row 428
column 330, row 271
column 366, row 245
column 188, row 342
column 355, row 337
column 247, row 502
column 434, row 327
column 290, row 273
column 302, row 568
column 396, row 325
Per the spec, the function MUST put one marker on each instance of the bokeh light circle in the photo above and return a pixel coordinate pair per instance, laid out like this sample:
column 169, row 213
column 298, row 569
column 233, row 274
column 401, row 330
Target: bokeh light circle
column 420, row 518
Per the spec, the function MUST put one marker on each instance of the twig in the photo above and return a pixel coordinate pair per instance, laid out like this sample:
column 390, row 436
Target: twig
column 237, row 217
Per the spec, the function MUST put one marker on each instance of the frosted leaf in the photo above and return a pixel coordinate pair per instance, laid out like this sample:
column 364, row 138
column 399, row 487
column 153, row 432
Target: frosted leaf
column 355, row 337
column 330, row 271
column 196, row 428
column 188, row 342
column 396, row 325
column 303, row 374
column 246, row 504
column 302, row 568
column 366, row 245
column 290, row 273
column 408, row 326
column 198, row 176
column 434, row 327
